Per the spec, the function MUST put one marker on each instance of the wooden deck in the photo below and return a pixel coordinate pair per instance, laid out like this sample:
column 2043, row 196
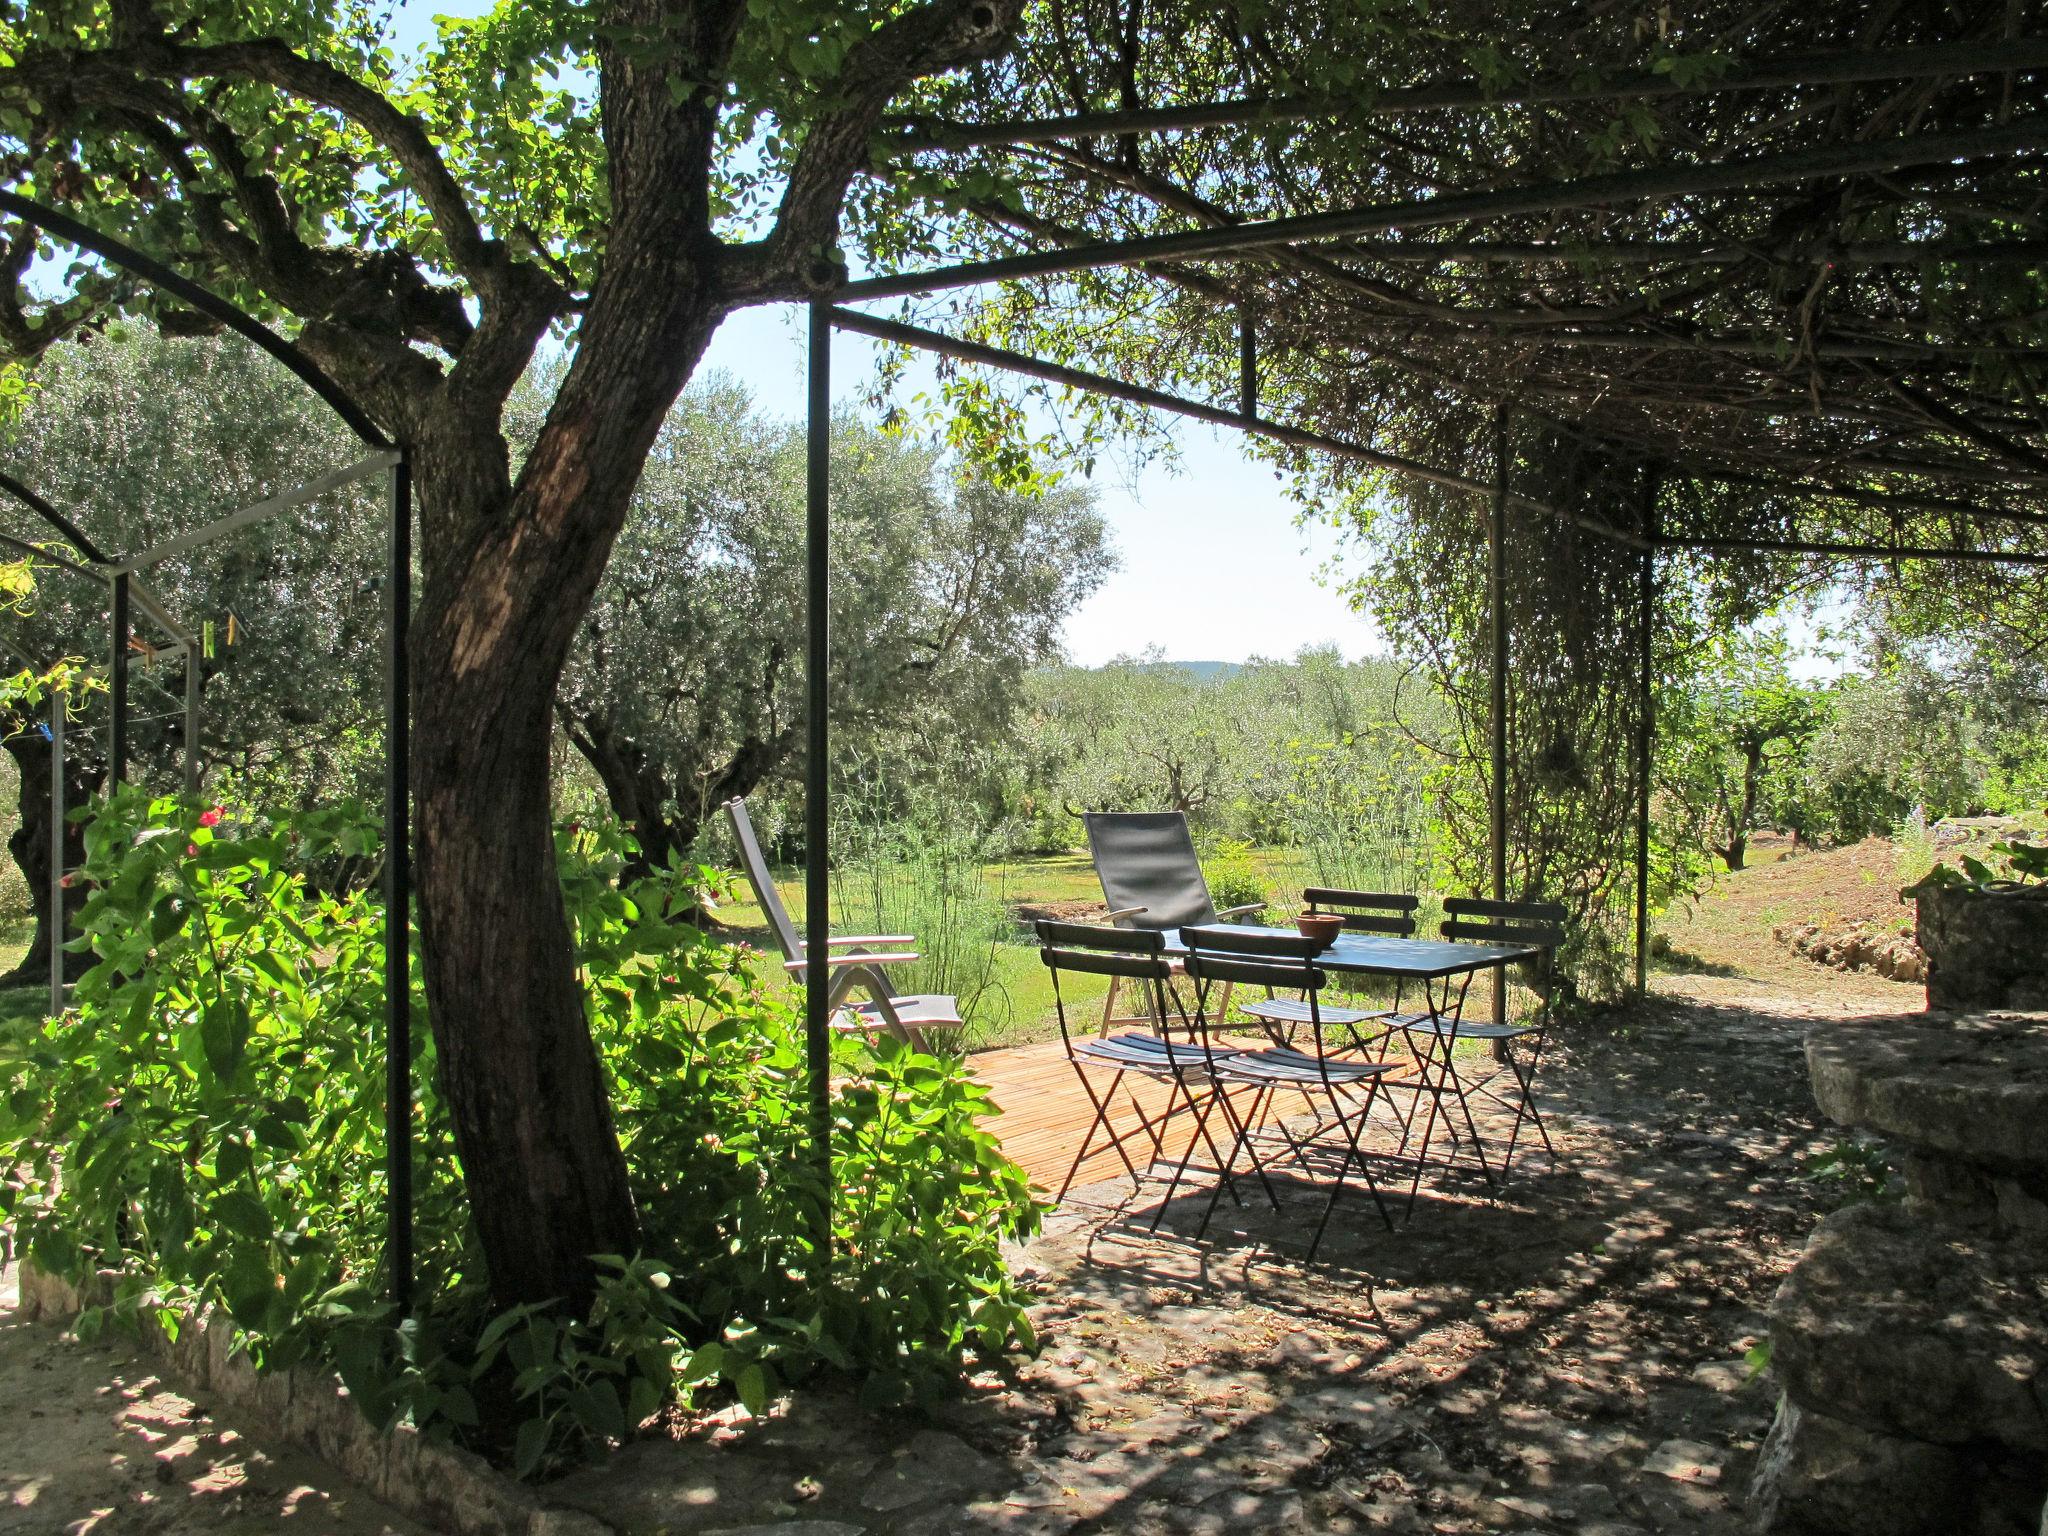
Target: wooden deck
column 1046, row 1113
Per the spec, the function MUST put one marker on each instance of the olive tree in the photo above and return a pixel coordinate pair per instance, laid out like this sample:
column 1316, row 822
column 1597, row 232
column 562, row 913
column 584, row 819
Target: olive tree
column 684, row 688
column 628, row 173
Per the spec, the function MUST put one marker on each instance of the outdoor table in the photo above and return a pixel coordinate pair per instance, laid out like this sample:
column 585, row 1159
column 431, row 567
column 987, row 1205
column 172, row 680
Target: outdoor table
column 1445, row 971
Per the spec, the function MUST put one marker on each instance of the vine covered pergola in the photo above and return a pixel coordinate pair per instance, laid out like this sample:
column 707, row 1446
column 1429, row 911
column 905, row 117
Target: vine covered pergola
column 1813, row 328
column 1758, row 282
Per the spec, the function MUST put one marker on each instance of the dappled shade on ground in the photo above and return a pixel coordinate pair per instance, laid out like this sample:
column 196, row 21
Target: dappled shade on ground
column 93, row 1442
column 1571, row 1355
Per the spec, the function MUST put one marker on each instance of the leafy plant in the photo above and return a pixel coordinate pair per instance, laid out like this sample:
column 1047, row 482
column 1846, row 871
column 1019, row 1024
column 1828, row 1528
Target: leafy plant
column 215, row 1104
column 1234, row 877
column 1852, row 1170
column 2022, row 865
column 913, row 863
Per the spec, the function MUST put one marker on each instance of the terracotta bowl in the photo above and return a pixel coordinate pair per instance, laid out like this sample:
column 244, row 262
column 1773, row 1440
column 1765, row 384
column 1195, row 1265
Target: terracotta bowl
column 1323, row 927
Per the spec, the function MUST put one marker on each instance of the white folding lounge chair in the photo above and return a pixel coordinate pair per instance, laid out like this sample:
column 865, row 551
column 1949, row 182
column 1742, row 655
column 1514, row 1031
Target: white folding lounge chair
column 858, row 964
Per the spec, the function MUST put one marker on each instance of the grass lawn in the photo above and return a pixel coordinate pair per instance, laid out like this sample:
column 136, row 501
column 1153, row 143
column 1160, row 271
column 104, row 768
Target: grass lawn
column 1018, row 1006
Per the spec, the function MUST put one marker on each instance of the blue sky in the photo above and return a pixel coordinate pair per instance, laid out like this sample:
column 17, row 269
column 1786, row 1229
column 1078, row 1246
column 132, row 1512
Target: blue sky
column 1213, row 567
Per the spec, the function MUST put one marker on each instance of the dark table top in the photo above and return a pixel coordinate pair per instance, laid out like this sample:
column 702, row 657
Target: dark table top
column 1377, row 955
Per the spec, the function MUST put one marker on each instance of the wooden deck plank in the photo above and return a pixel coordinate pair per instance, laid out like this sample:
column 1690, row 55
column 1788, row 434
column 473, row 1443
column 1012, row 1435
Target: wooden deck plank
column 1046, row 1112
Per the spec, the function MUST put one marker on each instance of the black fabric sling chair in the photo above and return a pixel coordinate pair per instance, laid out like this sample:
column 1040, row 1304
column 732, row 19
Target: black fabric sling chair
column 927, row 1020
column 1509, row 1084
column 1152, row 881
column 1343, row 1086
column 1187, row 1067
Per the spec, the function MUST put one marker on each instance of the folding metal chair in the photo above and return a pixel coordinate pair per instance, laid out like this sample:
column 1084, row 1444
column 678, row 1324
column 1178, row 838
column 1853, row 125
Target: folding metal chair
column 910, row 1017
column 1434, row 1036
column 1381, row 912
column 1286, row 962
column 1152, row 881
column 1136, row 955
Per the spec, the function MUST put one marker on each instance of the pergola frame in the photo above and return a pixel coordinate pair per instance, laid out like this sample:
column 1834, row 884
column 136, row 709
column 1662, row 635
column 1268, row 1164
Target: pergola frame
column 1297, row 236
column 1358, row 231
column 384, row 458
column 827, row 316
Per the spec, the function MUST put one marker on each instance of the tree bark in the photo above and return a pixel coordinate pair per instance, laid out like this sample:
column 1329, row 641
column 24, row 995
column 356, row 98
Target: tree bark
column 30, row 844
column 640, row 795
column 500, row 604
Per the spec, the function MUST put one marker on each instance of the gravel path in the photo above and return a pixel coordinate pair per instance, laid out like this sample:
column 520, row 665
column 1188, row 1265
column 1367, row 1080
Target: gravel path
column 93, row 1443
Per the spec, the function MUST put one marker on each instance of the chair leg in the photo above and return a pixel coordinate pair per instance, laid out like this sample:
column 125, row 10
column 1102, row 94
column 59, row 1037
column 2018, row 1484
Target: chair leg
column 1242, row 1143
column 1462, row 1094
column 1200, row 1134
column 1351, row 1157
column 1429, row 1082
column 1109, row 1006
column 1100, row 1122
column 1237, row 1127
column 1525, row 1107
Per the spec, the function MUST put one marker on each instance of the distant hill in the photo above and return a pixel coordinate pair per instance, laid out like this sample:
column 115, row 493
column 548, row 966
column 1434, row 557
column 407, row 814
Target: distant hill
column 1207, row 671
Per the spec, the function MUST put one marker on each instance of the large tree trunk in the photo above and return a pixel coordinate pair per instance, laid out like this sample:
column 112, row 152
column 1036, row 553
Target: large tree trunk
column 30, row 844
column 505, row 591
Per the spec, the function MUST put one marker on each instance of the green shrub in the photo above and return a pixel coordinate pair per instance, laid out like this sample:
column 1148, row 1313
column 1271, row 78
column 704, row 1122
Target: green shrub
column 917, row 864
column 1234, row 877
column 215, row 1102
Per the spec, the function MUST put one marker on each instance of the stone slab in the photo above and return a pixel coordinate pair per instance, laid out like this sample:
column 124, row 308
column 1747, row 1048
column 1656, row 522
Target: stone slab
column 1973, row 1087
column 1937, row 1336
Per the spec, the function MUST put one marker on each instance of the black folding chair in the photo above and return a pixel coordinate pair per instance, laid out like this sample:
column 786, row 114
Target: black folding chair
column 1434, row 1036
column 1183, row 1066
column 1286, row 962
column 1381, row 912
column 1152, row 881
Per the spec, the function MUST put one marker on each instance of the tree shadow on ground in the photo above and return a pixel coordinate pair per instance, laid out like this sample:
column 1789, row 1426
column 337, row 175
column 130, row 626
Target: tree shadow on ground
column 1567, row 1354
column 96, row 1442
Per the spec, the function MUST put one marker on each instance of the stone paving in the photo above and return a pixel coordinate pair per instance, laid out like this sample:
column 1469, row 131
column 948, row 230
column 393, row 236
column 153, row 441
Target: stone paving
column 1570, row 1357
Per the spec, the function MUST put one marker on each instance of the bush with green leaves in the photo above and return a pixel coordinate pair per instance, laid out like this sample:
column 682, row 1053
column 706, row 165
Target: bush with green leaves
column 205, row 1127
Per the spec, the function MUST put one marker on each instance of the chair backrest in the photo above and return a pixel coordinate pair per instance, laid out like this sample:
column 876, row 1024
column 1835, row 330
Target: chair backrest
column 1366, row 911
column 1220, row 953
column 1133, row 954
column 1147, row 859
column 755, row 866
column 1537, row 923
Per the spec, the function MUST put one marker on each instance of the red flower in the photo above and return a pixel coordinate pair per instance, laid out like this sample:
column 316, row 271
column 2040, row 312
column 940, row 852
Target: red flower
column 65, row 882
column 210, row 818
column 191, row 850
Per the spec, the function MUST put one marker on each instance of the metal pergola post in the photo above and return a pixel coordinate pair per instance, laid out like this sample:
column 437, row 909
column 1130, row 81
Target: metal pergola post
column 192, row 681
column 398, row 888
column 117, row 684
column 1646, row 726
column 817, row 771
column 1497, row 687
column 56, row 851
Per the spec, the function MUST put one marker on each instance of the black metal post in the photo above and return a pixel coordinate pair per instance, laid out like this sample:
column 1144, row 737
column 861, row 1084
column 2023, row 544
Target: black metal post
column 1247, row 366
column 1497, row 683
column 56, row 851
column 817, row 771
column 117, row 682
column 1646, row 726
column 398, row 888
column 192, row 661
